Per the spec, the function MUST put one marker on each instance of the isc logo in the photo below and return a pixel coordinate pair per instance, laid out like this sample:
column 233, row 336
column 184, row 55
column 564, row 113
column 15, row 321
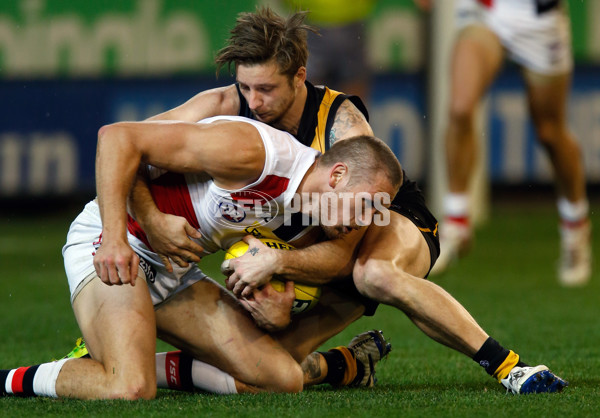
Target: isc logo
column 173, row 373
column 172, row 362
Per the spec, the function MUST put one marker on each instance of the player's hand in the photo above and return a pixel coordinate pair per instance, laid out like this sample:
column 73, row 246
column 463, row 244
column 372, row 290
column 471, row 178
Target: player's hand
column 271, row 309
column 252, row 270
column 116, row 263
column 170, row 237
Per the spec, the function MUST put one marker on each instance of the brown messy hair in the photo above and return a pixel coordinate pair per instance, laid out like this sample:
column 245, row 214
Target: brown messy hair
column 264, row 35
column 365, row 155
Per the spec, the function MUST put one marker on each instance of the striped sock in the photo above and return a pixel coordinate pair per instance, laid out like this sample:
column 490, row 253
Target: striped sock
column 39, row 380
column 342, row 368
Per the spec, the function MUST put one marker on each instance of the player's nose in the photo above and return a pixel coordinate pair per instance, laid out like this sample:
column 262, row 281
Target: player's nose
column 254, row 100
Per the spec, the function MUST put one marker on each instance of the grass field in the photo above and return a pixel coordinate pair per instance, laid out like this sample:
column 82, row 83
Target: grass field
column 508, row 284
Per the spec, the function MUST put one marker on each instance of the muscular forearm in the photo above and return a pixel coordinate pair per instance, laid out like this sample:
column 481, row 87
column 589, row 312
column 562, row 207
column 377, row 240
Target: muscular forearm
column 319, row 263
column 141, row 205
column 115, row 170
column 217, row 101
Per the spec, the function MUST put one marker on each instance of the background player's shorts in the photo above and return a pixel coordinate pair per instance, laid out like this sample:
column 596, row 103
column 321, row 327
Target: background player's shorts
column 536, row 34
column 83, row 240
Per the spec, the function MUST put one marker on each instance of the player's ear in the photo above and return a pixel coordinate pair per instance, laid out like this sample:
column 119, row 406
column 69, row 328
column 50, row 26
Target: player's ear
column 300, row 77
column 337, row 173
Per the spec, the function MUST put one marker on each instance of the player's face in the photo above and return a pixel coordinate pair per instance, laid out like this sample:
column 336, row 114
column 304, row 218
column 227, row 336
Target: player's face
column 269, row 93
column 355, row 206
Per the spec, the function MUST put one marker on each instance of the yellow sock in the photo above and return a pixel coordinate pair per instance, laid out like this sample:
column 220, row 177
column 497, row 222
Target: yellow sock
column 507, row 365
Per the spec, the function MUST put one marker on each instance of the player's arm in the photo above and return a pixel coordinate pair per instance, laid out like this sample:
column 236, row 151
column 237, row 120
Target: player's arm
column 169, row 234
column 213, row 102
column 349, row 122
column 191, row 148
column 316, row 264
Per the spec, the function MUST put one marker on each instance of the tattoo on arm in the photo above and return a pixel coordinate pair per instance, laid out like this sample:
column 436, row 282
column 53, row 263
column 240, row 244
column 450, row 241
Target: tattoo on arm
column 348, row 118
column 253, row 251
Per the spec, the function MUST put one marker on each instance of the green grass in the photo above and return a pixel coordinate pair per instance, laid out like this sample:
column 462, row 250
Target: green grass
column 508, row 283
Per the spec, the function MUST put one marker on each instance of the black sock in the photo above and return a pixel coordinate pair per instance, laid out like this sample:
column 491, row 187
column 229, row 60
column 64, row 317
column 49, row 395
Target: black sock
column 336, row 366
column 491, row 355
column 3, row 376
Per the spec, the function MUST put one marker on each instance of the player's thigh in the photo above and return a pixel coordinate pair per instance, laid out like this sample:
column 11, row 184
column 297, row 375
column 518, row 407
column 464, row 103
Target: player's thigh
column 547, row 96
column 309, row 330
column 399, row 243
column 208, row 322
column 118, row 325
column 476, row 59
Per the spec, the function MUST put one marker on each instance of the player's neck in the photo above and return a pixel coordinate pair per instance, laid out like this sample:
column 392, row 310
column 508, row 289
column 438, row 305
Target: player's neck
column 309, row 183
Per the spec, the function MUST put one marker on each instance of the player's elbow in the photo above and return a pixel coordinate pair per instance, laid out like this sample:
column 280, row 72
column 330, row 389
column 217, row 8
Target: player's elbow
column 107, row 135
column 102, row 131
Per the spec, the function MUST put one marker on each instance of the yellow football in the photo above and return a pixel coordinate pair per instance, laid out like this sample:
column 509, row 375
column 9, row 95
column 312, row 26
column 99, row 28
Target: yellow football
column 307, row 296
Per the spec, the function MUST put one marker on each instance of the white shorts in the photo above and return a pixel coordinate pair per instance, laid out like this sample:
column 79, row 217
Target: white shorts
column 540, row 42
column 84, row 238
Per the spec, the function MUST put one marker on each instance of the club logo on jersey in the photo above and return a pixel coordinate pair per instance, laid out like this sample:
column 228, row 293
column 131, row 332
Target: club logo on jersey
column 232, row 212
column 253, row 205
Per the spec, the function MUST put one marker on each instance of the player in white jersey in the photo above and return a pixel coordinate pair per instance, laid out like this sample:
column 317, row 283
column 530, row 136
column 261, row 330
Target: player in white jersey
column 536, row 35
column 116, row 280
column 221, row 215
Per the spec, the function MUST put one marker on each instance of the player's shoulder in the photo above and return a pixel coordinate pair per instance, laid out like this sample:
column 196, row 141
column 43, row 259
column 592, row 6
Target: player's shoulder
column 349, row 121
column 229, row 99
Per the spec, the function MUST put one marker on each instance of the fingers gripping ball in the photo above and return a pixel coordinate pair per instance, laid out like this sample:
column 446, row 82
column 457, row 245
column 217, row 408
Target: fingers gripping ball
column 307, row 296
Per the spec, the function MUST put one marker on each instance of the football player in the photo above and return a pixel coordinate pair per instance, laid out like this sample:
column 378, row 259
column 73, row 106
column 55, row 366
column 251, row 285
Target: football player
column 123, row 295
column 387, row 264
column 535, row 34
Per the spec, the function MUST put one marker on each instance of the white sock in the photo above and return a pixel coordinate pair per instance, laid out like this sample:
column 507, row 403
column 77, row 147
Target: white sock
column 176, row 370
column 572, row 211
column 456, row 205
column 44, row 382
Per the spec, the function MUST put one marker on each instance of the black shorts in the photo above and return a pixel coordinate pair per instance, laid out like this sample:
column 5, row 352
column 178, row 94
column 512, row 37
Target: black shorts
column 410, row 203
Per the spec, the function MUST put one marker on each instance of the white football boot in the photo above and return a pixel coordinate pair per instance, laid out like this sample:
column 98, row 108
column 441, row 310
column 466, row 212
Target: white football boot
column 538, row 379
column 575, row 265
column 455, row 241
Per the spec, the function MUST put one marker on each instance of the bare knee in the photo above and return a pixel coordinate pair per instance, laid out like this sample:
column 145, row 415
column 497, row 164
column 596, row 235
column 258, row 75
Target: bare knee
column 133, row 389
column 461, row 115
column 289, row 379
column 294, row 382
column 373, row 279
column 551, row 134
